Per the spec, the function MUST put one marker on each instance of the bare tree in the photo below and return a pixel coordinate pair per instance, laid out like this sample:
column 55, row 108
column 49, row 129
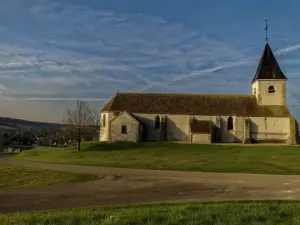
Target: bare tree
column 3, row 140
column 81, row 120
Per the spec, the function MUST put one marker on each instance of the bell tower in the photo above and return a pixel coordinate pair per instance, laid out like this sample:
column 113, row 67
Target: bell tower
column 269, row 82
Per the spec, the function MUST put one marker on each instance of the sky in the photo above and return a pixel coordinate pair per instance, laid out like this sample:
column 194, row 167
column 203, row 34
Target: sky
column 55, row 52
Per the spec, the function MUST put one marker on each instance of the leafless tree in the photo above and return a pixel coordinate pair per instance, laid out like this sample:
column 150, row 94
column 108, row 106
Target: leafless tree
column 80, row 120
column 1, row 143
column 3, row 140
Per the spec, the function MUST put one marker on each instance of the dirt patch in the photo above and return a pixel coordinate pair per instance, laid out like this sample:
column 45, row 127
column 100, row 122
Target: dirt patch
column 110, row 193
column 129, row 186
column 111, row 177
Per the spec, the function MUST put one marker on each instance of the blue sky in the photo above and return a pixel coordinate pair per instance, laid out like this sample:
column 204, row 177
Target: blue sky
column 54, row 52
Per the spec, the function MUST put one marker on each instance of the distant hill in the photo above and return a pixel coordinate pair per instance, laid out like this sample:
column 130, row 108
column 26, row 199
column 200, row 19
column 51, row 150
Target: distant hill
column 8, row 124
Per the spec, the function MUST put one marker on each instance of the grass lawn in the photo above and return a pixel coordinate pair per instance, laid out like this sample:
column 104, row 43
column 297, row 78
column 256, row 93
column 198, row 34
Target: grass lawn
column 231, row 213
column 19, row 177
column 176, row 156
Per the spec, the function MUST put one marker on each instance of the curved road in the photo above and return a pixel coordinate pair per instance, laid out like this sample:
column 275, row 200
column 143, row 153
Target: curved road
column 129, row 186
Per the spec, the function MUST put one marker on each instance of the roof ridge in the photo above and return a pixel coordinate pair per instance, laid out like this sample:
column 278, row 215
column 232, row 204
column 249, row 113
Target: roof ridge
column 109, row 103
column 149, row 93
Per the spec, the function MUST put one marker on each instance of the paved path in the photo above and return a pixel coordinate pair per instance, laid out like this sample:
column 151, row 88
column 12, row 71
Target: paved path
column 128, row 186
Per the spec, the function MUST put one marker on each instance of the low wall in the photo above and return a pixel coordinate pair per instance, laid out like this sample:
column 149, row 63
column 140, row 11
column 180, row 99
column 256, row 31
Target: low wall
column 201, row 138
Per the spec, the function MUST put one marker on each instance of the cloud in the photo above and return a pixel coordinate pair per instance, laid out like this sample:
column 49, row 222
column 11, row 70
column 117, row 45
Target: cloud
column 223, row 66
column 73, row 55
column 62, row 99
column 5, row 91
column 288, row 49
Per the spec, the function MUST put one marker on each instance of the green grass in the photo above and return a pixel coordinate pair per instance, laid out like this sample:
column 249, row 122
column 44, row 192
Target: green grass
column 231, row 213
column 19, row 177
column 176, row 156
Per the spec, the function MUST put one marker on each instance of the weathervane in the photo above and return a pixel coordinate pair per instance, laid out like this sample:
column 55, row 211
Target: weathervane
column 266, row 29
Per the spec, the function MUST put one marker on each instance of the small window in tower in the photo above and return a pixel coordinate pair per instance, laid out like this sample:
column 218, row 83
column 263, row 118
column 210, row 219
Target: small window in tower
column 271, row 89
column 254, row 91
column 124, row 129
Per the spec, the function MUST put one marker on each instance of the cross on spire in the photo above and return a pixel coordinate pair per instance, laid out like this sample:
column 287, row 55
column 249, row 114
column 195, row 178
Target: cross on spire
column 266, row 29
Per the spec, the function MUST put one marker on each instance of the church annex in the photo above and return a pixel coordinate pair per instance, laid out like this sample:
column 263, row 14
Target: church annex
column 262, row 116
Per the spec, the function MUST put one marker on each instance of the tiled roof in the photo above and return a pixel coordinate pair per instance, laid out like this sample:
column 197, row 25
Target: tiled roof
column 108, row 104
column 189, row 104
column 201, row 126
column 268, row 67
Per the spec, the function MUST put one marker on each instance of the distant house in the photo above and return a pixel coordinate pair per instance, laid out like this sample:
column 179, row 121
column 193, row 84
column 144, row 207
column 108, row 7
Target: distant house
column 262, row 116
column 18, row 148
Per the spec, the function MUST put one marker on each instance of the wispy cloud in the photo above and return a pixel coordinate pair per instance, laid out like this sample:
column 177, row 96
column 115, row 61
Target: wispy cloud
column 80, row 55
column 288, row 49
column 62, row 99
column 226, row 65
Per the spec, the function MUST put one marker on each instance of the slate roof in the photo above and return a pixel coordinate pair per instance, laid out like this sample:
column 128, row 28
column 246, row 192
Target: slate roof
column 190, row 104
column 268, row 67
column 201, row 126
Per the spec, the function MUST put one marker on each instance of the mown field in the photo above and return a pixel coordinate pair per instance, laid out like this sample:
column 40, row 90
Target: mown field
column 12, row 178
column 176, row 156
column 231, row 213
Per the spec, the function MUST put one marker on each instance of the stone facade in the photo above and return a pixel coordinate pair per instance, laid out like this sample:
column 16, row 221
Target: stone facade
column 246, row 128
column 266, row 98
column 201, row 138
column 124, row 128
column 141, row 127
column 270, row 129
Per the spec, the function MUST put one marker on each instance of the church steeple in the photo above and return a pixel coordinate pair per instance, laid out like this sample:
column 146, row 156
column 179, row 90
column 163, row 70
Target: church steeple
column 268, row 67
column 269, row 82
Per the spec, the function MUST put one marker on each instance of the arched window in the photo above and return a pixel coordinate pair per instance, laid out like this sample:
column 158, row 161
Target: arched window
column 157, row 122
column 271, row 89
column 124, row 129
column 229, row 123
column 104, row 120
column 254, row 91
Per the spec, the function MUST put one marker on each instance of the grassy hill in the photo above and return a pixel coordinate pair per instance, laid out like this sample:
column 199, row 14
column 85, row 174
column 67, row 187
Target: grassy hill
column 8, row 124
column 175, row 156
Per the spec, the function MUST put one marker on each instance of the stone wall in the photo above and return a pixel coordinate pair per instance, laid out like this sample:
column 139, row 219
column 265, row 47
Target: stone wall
column 270, row 128
column 104, row 130
column 148, row 123
column 177, row 128
column 292, row 140
column 132, row 129
column 239, row 129
column 265, row 98
column 246, row 138
column 201, row 138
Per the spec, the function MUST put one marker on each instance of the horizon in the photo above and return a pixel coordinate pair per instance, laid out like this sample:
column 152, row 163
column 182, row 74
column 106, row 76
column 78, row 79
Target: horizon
column 54, row 53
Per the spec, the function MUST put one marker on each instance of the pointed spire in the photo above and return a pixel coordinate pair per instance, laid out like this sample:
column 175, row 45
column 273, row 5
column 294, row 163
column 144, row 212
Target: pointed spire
column 268, row 67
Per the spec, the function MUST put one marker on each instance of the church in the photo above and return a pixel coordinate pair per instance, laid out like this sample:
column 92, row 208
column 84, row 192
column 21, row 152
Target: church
column 262, row 116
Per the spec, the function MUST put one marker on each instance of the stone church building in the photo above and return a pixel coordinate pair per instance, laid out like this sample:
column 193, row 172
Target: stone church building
column 262, row 116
